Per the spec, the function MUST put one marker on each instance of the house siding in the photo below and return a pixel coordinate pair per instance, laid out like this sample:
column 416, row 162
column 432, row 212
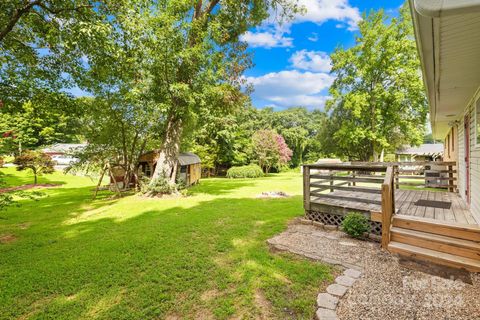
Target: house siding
column 474, row 160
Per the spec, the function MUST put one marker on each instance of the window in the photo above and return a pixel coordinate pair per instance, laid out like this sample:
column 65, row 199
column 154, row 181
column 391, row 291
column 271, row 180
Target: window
column 477, row 123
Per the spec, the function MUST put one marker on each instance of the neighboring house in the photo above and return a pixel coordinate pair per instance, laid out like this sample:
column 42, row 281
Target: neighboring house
column 424, row 152
column 189, row 169
column 448, row 39
column 62, row 153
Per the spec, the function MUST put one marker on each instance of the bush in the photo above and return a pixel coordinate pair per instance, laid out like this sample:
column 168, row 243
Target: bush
column 158, row 187
column 355, row 224
column 250, row 171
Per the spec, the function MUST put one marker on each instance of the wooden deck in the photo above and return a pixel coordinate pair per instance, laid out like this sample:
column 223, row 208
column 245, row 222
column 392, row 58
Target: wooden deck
column 404, row 204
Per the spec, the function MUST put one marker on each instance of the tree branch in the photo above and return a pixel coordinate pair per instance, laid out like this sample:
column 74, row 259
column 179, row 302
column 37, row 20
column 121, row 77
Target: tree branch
column 17, row 14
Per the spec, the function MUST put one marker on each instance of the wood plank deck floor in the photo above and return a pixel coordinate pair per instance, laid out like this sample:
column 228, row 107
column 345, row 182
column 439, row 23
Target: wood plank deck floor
column 405, row 204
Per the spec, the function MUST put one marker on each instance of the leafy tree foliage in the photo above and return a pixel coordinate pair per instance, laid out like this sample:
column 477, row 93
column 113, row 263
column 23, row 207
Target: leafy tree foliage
column 227, row 141
column 37, row 162
column 39, row 45
column 270, row 150
column 378, row 99
column 37, row 123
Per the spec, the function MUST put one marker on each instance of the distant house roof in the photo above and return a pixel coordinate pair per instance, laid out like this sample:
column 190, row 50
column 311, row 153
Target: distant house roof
column 64, row 147
column 428, row 149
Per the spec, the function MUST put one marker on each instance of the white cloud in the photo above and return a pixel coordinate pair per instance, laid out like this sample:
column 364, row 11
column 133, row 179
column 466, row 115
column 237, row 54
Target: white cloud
column 292, row 88
column 271, row 34
column 317, row 61
column 313, row 37
column 319, row 11
column 267, row 39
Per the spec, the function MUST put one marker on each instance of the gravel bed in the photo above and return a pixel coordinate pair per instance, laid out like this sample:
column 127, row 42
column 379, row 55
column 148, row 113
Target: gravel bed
column 386, row 290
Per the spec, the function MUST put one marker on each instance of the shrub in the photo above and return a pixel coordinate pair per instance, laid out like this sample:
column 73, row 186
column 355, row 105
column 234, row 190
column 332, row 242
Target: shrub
column 37, row 162
column 157, row 187
column 250, row 171
column 355, row 224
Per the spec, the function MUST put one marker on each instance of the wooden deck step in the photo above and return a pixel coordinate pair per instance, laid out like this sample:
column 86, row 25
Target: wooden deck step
column 450, row 229
column 442, row 258
column 464, row 248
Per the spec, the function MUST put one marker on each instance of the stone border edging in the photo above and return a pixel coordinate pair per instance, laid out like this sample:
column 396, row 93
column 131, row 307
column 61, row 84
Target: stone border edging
column 327, row 302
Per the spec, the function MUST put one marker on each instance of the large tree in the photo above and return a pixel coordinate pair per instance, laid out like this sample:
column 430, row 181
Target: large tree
column 378, row 99
column 201, row 61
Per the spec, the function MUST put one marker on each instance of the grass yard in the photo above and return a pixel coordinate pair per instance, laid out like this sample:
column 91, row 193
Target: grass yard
column 200, row 257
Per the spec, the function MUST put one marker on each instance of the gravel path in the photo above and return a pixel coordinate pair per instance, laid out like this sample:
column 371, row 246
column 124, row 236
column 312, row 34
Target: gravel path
column 385, row 290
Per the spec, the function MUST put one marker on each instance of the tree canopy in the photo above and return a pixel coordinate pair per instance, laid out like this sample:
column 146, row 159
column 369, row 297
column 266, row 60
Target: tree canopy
column 378, row 98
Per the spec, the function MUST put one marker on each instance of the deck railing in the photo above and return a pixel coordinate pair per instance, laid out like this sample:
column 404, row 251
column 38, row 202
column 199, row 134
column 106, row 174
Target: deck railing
column 320, row 180
column 372, row 184
column 388, row 205
column 422, row 174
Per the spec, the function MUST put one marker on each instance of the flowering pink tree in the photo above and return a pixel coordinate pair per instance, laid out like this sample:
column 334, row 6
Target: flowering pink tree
column 270, row 149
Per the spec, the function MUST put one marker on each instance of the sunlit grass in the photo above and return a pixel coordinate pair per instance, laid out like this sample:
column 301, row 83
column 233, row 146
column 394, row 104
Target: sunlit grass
column 203, row 256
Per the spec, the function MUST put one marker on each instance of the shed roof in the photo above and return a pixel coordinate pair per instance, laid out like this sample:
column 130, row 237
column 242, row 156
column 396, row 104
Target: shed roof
column 427, row 149
column 184, row 159
column 187, row 158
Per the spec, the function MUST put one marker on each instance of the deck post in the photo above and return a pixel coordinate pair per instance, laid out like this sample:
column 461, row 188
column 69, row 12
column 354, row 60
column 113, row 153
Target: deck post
column 388, row 206
column 306, row 188
column 397, row 178
column 450, row 178
column 331, row 180
column 353, row 176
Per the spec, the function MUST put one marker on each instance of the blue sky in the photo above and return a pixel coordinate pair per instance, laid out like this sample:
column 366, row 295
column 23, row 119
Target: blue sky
column 292, row 60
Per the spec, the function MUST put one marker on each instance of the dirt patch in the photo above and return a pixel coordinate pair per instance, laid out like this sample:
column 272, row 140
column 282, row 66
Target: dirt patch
column 209, row 295
column 7, row 238
column 272, row 195
column 24, row 225
column 386, row 290
column 263, row 305
column 29, row 186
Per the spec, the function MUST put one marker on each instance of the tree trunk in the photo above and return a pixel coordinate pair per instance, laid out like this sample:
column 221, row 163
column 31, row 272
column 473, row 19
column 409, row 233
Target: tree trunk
column 168, row 158
column 35, row 178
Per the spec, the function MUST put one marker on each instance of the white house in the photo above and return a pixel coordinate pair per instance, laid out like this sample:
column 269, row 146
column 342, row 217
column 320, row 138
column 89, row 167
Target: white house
column 448, row 40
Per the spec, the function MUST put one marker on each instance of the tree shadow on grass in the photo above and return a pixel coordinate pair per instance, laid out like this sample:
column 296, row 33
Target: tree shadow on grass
column 12, row 179
column 160, row 261
column 219, row 186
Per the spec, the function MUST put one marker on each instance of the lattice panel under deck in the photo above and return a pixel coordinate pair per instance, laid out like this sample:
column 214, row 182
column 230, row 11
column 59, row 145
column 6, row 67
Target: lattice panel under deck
column 336, row 220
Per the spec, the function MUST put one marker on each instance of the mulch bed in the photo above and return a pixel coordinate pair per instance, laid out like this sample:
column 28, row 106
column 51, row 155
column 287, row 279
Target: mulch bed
column 28, row 186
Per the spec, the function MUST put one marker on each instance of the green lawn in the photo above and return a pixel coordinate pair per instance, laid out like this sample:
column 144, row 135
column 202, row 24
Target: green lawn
column 199, row 257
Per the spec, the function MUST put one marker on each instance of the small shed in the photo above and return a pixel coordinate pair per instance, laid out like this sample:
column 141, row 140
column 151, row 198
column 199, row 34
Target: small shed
column 189, row 166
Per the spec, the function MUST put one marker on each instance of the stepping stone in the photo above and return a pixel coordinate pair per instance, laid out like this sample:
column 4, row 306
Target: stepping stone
column 305, row 221
column 327, row 301
column 326, row 314
column 337, row 290
column 318, row 224
column 349, row 244
column 352, row 273
column 345, row 281
column 330, row 227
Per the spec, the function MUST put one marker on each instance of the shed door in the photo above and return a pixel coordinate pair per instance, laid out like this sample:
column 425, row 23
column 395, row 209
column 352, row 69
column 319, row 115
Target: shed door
column 467, row 157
